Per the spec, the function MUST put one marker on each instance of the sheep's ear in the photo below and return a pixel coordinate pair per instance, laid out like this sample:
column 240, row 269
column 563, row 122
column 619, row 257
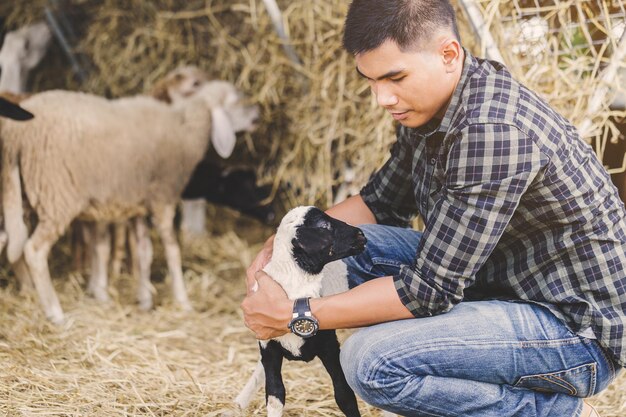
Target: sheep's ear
column 159, row 91
column 223, row 133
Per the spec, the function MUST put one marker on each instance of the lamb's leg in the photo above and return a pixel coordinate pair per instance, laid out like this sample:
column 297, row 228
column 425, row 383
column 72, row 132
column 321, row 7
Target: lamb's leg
column 329, row 355
column 141, row 254
column 164, row 220
column 36, row 253
column 252, row 386
column 119, row 248
column 272, row 360
column 101, row 249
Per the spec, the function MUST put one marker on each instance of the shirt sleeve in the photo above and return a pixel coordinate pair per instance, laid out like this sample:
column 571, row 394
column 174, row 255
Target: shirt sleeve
column 488, row 169
column 389, row 192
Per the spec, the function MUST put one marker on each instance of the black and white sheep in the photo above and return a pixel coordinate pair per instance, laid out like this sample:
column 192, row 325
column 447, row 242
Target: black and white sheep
column 107, row 160
column 307, row 243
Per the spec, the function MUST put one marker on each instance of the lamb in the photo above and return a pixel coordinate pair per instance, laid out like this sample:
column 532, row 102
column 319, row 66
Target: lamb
column 102, row 160
column 306, row 244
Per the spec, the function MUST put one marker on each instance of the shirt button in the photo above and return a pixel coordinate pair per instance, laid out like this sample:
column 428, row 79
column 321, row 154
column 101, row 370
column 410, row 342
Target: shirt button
column 433, row 161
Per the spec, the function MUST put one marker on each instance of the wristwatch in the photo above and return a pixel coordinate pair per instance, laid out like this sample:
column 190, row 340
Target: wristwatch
column 303, row 323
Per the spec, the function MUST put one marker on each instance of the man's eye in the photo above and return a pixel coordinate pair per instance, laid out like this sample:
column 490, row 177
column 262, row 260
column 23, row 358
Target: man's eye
column 395, row 80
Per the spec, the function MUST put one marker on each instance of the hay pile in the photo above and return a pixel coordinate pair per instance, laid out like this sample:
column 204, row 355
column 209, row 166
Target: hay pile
column 316, row 117
column 560, row 49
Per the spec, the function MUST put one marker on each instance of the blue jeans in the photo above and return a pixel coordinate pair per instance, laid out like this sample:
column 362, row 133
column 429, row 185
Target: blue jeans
column 483, row 358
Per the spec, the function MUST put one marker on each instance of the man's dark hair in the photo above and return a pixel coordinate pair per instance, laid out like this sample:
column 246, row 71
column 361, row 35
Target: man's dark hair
column 370, row 23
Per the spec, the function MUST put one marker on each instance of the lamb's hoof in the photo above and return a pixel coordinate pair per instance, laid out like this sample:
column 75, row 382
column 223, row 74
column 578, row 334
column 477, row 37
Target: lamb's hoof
column 145, row 305
column 100, row 295
column 185, row 306
column 56, row 317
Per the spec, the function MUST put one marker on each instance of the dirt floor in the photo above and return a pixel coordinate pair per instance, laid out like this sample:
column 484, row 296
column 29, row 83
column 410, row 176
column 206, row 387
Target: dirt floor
column 114, row 360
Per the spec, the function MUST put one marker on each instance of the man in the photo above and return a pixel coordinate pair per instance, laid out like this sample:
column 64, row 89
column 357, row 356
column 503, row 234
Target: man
column 516, row 289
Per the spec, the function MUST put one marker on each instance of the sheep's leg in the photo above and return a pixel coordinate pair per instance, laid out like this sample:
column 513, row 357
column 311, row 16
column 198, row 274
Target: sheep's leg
column 164, row 220
column 12, row 206
column 272, row 360
column 141, row 254
column 101, row 249
column 329, row 355
column 251, row 387
column 193, row 218
column 83, row 236
column 119, row 248
column 36, row 252
column 23, row 276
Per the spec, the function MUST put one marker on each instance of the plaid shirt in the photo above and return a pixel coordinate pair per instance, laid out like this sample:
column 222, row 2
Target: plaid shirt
column 516, row 206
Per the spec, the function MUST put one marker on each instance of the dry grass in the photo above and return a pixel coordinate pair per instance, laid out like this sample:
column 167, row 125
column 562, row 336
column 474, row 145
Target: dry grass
column 114, row 360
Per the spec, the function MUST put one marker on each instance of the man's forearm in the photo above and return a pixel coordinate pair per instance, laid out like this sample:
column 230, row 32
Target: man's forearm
column 373, row 302
column 352, row 210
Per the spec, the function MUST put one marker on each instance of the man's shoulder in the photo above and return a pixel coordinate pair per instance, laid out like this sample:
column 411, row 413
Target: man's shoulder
column 492, row 95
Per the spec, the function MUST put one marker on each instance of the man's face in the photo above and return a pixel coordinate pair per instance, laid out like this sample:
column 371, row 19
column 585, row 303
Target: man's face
column 414, row 87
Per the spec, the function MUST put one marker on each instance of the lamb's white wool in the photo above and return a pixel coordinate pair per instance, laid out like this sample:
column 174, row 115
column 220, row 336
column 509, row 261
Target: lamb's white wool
column 106, row 160
column 283, row 267
column 274, row 407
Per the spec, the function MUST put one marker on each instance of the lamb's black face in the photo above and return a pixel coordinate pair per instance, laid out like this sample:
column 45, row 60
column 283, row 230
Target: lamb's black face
column 13, row 111
column 320, row 239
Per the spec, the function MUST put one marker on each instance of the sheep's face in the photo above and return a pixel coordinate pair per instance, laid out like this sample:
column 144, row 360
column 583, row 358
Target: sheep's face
column 229, row 114
column 241, row 115
column 180, row 83
column 320, row 239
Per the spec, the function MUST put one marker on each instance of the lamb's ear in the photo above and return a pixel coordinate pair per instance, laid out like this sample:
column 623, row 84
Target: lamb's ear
column 223, row 133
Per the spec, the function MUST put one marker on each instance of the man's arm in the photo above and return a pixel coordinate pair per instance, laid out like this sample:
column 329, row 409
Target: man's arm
column 267, row 311
column 352, row 210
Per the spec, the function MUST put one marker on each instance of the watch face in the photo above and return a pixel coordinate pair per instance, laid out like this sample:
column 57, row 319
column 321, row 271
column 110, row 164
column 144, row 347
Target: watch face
column 304, row 327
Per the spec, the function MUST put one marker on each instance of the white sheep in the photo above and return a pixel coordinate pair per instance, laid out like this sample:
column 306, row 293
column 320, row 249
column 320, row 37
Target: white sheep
column 21, row 51
column 307, row 247
column 107, row 160
column 94, row 239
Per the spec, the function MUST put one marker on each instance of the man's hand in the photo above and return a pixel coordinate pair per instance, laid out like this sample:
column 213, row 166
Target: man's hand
column 266, row 311
column 262, row 259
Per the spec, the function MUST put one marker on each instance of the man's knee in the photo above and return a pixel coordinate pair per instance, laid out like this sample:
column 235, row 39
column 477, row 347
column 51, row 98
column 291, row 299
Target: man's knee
column 366, row 368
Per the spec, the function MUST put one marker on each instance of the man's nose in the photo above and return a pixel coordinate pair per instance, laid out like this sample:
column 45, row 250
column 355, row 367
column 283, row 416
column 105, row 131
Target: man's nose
column 384, row 96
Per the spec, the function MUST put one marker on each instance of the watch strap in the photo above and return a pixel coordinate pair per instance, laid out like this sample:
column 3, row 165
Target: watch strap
column 302, row 308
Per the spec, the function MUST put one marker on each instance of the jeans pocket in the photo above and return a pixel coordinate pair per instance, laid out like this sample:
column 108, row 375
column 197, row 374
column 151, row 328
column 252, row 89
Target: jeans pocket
column 579, row 381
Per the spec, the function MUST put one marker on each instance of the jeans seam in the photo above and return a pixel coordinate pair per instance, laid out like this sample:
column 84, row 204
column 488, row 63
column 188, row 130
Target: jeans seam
column 609, row 362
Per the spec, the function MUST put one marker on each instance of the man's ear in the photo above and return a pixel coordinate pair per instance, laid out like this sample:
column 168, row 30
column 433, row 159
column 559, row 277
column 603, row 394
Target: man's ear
column 451, row 54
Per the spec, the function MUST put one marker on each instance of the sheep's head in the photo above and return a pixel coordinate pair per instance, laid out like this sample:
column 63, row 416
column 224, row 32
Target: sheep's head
column 229, row 113
column 316, row 238
column 13, row 111
column 179, row 84
column 21, row 51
